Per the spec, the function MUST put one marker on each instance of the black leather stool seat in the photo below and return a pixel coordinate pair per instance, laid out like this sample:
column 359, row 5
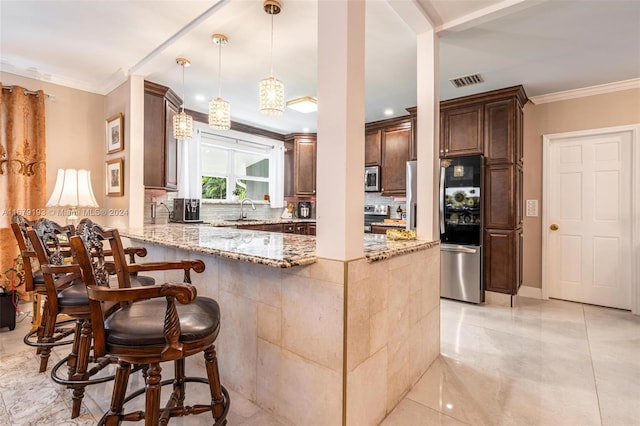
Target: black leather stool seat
column 73, row 296
column 142, row 323
column 141, row 280
column 38, row 278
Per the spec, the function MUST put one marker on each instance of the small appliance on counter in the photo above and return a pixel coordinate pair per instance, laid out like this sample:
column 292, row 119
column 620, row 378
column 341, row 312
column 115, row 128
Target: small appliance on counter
column 304, row 209
column 186, row 210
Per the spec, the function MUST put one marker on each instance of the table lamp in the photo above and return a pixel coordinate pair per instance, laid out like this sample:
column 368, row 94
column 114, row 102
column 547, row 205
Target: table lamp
column 72, row 189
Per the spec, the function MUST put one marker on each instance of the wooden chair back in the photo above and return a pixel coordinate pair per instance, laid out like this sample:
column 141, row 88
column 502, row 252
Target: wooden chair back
column 20, row 225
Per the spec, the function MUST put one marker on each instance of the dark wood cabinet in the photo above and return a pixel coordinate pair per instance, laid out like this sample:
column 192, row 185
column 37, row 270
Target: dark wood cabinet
column 272, row 227
column 502, row 263
column 300, row 165
column 461, row 129
column 301, row 228
column 396, row 143
column 413, row 150
column 491, row 124
column 311, row 229
column 372, row 142
column 160, row 147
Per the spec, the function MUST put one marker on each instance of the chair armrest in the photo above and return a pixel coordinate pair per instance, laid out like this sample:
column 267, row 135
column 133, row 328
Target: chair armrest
column 184, row 293
column 135, row 251
column 187, row 265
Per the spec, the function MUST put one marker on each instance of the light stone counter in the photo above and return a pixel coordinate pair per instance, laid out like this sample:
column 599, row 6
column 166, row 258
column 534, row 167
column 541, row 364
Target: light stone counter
column 327, row 342
column 280, row 250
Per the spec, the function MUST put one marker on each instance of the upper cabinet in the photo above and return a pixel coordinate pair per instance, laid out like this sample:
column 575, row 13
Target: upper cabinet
column 300, row 165
column 390, row 144
column 461, row 130
column 160, row 147
column 372, row 142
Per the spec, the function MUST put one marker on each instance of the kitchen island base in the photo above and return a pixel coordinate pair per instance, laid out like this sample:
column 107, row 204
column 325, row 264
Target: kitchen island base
column 327, row 343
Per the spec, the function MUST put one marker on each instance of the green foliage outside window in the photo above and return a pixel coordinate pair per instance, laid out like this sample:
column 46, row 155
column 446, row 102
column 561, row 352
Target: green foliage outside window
column 214, row 187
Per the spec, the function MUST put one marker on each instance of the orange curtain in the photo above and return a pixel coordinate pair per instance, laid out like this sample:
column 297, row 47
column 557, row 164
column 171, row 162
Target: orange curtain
column 22, row 167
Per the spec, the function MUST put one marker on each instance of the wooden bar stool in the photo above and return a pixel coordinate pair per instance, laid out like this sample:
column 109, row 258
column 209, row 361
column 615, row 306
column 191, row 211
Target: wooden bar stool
column 60, row 331
column 150, row 325
column 67, row 294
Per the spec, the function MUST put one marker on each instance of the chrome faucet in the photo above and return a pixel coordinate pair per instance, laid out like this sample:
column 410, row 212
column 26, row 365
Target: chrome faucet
column 243, row 215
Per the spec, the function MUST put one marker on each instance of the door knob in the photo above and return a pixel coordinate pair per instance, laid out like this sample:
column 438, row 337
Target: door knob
column 554, row 227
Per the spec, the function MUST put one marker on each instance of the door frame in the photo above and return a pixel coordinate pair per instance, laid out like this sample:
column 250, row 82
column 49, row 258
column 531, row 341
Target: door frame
column 547, row 141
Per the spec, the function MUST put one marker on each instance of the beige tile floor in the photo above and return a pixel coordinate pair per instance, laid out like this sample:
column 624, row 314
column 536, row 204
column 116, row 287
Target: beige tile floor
column 540, row 363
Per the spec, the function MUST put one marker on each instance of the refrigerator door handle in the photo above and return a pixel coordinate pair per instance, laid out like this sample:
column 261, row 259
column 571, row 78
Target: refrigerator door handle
column 442, row 171
column 459, row 249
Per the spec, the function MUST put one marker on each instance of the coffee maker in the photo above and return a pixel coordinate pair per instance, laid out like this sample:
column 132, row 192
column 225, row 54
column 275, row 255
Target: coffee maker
column 304, row 209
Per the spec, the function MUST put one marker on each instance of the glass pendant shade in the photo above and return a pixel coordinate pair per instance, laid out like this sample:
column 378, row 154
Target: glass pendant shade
column 182, row 126
column 271, row 93
column 219, row 114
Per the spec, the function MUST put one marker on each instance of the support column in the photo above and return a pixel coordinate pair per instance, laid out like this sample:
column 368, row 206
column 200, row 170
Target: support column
column 340, row 144
column 427, row 136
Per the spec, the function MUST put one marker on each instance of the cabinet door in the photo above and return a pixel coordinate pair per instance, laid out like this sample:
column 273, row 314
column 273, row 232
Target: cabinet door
column 311, row 229
column 171, row 149
column 289, row 168
column 461, row 131
column 305, row 166
column 396, row 143
column 377, row 229
column 372, row 141
column 288, row 228
column 500, row 197
column 500, row 131
column 154, row 130
column 501, row 260
column 300, row 228
column 272, row 227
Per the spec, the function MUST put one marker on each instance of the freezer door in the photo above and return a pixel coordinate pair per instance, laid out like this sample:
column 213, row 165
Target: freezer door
column 460, row 270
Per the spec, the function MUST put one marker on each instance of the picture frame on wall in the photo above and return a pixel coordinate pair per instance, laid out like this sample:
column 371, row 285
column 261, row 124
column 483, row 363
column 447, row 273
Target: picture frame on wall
column 114, row 177
column 115, row 133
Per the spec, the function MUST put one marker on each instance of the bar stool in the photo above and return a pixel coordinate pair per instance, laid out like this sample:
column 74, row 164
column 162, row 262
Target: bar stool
column 34, row 282
column 67, row 294
column 149, row 325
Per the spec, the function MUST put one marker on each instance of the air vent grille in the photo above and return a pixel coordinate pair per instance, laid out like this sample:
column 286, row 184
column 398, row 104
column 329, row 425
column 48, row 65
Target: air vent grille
column 467, row 80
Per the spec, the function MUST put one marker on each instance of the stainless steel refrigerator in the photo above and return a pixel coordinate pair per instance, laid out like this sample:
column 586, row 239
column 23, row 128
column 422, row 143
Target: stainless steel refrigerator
column 460, row 201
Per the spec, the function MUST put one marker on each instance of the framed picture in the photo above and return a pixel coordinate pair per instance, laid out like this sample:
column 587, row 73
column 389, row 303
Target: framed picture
column 115, row 135
column 115, row 178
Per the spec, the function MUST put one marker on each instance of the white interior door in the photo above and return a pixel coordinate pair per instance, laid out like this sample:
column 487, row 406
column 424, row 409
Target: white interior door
column 587, row 220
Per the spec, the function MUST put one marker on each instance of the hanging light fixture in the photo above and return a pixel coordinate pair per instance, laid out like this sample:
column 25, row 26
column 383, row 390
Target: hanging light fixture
column 271, row 91
column 219, row 109
column 182, row 123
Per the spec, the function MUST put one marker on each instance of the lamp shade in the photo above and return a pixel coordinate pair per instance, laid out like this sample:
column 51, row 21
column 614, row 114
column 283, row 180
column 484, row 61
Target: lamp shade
column 271, row 94
column 72, row 188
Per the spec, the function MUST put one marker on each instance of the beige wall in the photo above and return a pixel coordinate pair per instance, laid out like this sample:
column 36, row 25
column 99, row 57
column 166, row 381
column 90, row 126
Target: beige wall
column 590, row 112
column 75, row 130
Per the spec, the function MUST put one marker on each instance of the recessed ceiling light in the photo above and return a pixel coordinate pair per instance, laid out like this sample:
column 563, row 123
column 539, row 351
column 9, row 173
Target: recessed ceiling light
column 305, row 104
column 388, row 111
column 306, row 129
column 200, row 98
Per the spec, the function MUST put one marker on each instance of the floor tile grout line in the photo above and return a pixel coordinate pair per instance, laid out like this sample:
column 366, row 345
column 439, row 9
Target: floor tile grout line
column 593, row 370
column 437, row 411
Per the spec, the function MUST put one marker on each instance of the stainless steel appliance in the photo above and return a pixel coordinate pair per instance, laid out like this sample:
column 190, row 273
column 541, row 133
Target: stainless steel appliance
column 461, row 228
column 412, row 194
column 186, row 210
column 373, row 214
column 304, row 209
column 372, row 179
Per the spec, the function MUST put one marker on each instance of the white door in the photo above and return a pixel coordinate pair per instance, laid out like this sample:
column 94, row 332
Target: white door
column 588, row 214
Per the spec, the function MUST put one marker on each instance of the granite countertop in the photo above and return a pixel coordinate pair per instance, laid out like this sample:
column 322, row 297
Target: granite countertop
column 279, row 250
column 242, row 222
column 390, row 224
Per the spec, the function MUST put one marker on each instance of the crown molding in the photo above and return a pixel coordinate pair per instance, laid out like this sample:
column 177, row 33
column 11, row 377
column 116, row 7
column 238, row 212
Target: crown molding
column 600, row 89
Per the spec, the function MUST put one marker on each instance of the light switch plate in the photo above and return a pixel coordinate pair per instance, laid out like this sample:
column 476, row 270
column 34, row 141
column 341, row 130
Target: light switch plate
column 531, row 208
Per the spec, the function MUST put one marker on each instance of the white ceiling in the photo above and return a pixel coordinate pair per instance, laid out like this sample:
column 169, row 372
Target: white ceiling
column 547, row 46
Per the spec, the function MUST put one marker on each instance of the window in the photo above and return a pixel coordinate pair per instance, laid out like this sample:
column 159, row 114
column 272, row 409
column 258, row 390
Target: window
column 234, row 167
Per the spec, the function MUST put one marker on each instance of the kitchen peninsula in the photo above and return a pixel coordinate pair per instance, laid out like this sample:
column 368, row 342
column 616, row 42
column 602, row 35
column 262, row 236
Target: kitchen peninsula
column 315, row 341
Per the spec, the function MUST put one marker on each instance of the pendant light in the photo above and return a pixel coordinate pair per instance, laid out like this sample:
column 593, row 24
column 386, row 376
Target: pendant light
column 271, row 90
column 219, row 109
column 182, row 123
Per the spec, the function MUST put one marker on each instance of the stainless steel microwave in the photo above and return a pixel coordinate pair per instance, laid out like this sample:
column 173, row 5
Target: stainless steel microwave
column 372, row 179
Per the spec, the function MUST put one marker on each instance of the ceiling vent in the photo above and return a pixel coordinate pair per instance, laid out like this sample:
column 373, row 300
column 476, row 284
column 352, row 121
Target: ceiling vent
column 467, row 80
